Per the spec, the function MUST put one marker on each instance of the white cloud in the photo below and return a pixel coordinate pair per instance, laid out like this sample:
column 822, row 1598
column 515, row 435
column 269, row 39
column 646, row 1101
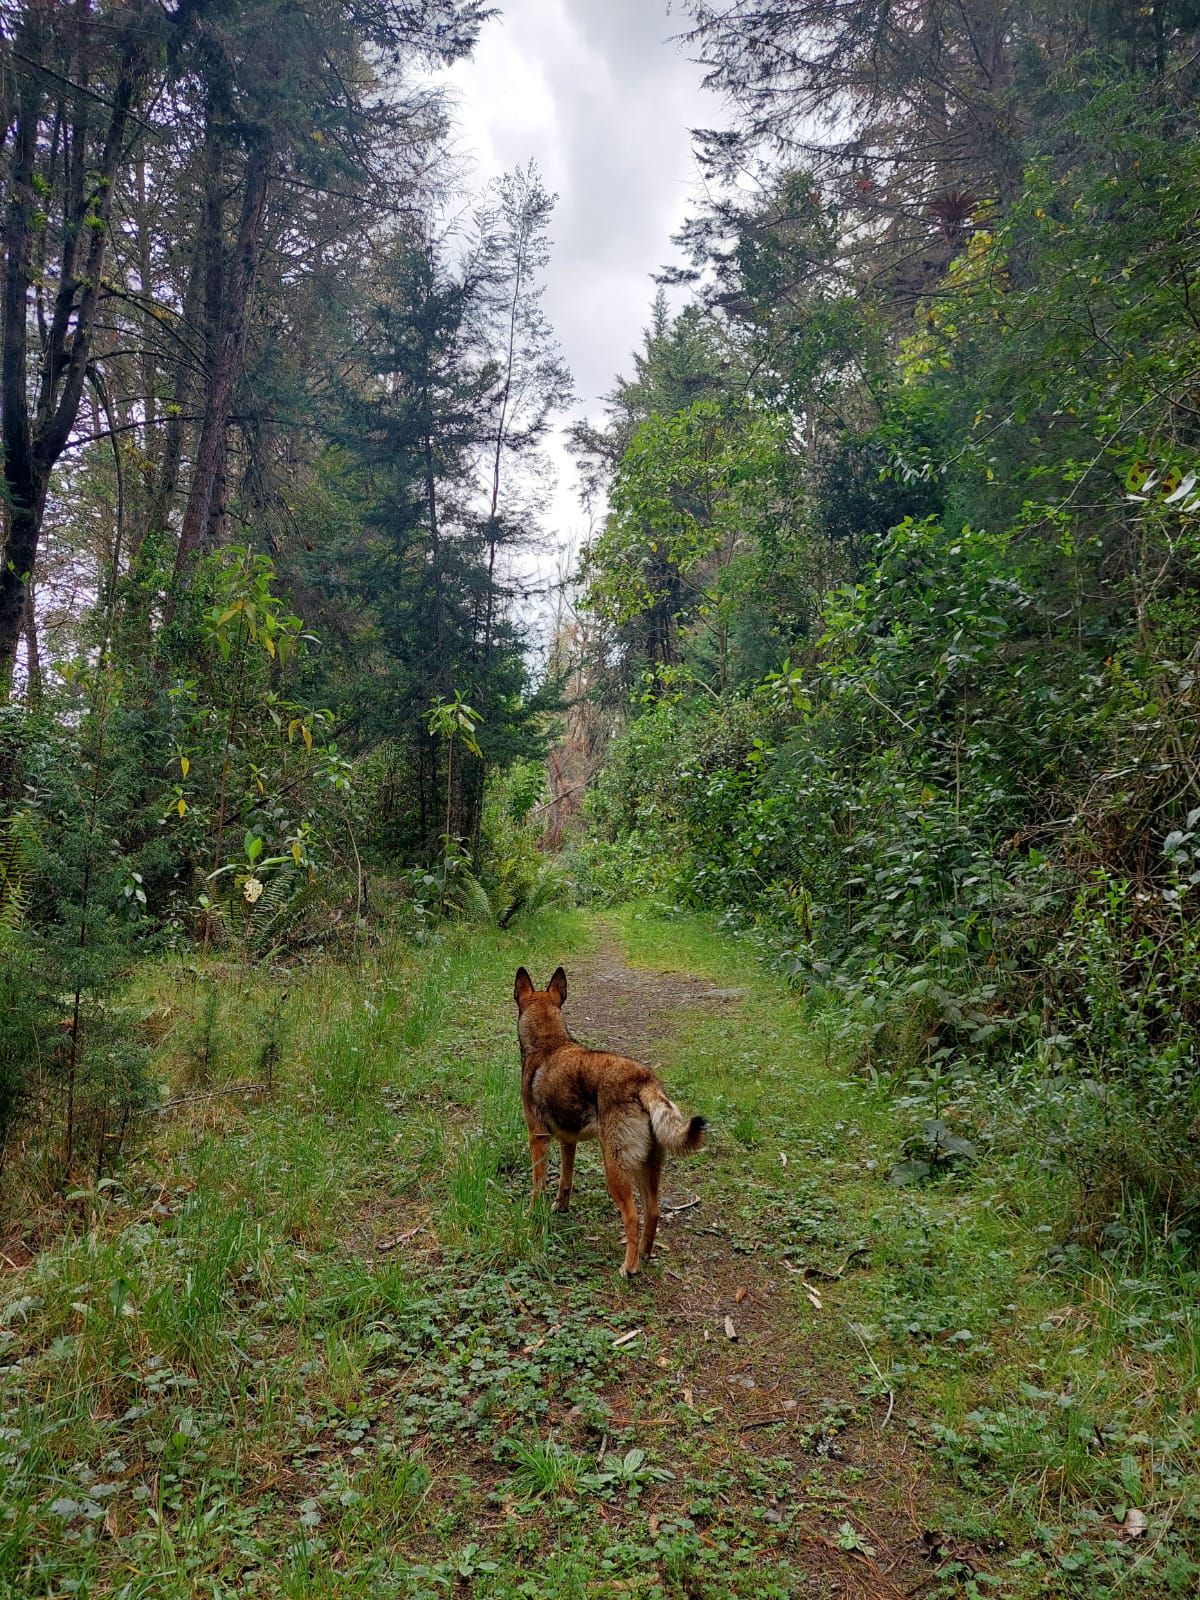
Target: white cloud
column 594, row 92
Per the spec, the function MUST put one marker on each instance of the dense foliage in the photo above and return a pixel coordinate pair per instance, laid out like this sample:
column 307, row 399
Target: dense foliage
column 274, row 390
column 908, row 594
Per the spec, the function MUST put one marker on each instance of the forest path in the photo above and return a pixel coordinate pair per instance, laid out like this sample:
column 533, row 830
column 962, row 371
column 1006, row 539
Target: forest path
column 754, row 1347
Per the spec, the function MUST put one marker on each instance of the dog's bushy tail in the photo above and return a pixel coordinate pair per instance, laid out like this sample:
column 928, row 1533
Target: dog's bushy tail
column 672, row 1129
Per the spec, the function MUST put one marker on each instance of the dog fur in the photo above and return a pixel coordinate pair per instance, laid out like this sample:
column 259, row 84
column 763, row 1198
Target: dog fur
column 571, row 1093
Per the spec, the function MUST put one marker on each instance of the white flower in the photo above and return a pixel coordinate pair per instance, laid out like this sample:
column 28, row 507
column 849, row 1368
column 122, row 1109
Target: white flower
column 252, row 889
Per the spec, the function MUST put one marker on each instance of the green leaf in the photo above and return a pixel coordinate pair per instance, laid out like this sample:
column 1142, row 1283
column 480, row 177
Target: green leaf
column 911, row 1171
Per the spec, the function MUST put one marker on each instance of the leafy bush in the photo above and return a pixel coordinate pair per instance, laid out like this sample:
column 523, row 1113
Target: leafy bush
column 888, row 821
column 512, row 877
column 71, row 1058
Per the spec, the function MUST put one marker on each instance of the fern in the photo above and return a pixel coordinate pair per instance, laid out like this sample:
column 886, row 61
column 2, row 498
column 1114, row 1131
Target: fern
column 528, row 884
column 16, row 870
column 549, row 887
column 285, row 896
column 472, row 900
column 544, row 887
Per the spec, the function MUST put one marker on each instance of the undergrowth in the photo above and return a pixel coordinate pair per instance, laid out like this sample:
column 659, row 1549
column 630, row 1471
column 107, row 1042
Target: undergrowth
column 312, row 1339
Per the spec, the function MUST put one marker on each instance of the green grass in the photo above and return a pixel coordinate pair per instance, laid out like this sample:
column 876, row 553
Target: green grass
column 214, row 1381
column 1055, row 1386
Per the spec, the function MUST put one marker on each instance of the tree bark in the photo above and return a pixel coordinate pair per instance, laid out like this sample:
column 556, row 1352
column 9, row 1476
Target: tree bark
column 32, row 445
column 435, row 551
column 26, row 496
column 33, row 658
column 493, row 524
column 209, row 466
column 166, row 476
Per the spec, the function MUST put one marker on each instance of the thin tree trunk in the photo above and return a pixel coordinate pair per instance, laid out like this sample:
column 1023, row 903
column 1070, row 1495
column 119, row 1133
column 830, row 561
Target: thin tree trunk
column 26, row 494
column 439, row 623
column 148, row 362
column 211, row 447
column 166, row 478
column 33, row 659
column 501, row 426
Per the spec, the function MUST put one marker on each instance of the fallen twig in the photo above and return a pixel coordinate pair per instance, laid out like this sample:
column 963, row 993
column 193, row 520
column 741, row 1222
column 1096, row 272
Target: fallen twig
column 211, row 1094
column 383, row 1245
column 808, row 1271
column 891, row 1398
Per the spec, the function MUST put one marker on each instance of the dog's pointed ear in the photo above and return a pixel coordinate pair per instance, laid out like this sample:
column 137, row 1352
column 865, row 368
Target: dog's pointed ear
column 557, row 987
column 522, row 987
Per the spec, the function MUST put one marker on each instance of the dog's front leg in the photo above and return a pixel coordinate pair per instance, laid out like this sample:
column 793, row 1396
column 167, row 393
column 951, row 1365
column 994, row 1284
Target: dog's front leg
column 539, row 1149
column 563, row 1199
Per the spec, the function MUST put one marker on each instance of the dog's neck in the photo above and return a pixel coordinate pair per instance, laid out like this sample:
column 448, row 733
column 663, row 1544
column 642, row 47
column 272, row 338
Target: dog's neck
column 540, row 1031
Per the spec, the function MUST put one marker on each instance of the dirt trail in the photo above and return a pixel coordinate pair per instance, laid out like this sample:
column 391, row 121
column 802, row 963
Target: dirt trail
column 784, row 1389
column 615, row 1006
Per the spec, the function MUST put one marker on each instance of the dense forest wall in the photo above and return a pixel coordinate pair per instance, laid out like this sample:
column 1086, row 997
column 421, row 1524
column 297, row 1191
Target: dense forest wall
column 900, row 565
column 272, row 384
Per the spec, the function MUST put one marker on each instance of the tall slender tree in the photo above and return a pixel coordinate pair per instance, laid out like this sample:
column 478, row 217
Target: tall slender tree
column 73, row 120
column 533, row 382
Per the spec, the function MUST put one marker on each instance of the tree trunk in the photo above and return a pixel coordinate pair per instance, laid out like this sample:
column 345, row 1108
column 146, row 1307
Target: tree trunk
column 166, row 477
column 498, row 453
column 33, row 658
column 211, row 447
column 26, row 496
column 149, row 364
column 32, row 446
column 435, row 551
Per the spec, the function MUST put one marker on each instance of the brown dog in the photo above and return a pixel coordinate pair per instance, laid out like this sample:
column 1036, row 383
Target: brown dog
column 571, row 1093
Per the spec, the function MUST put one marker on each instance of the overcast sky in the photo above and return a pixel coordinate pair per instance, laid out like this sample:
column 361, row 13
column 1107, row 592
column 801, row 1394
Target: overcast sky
column 596, row 94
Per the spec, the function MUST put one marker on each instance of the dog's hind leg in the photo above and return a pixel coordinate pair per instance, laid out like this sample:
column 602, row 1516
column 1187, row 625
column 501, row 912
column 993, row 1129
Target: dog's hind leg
column 621, row 1190
column 647, row 1183
column 539, row 1149
column 563, row 1199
